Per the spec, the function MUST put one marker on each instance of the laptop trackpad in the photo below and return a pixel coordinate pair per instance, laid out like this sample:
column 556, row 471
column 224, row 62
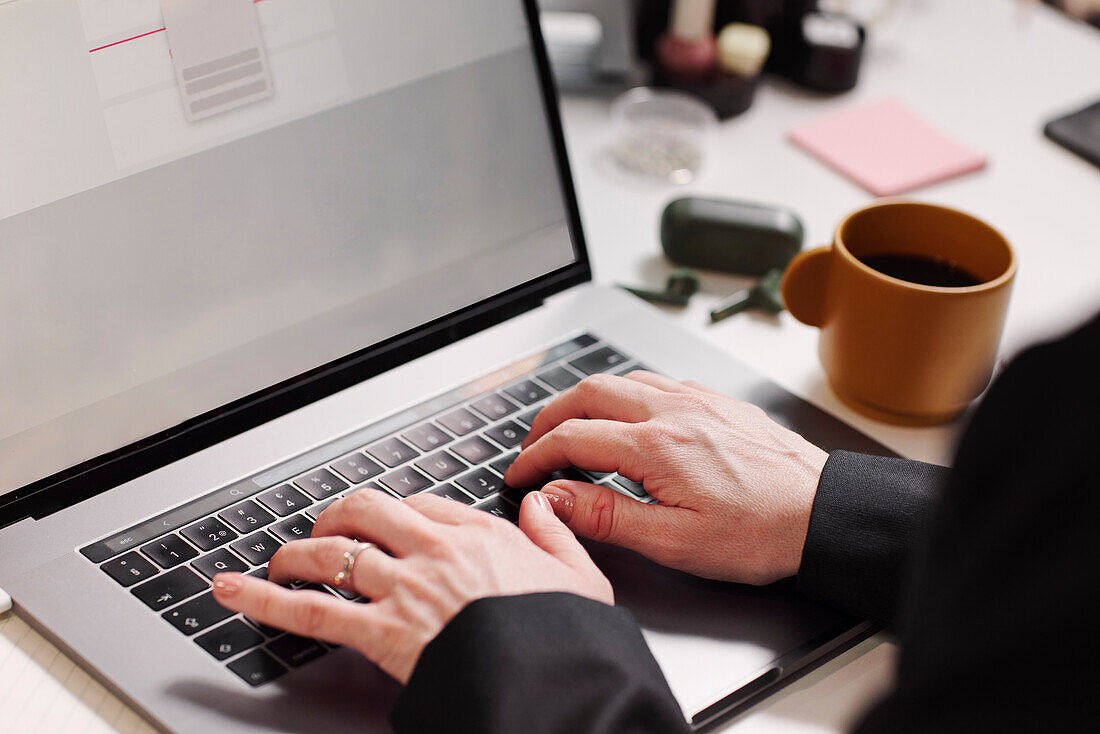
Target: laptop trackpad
column 711, row 637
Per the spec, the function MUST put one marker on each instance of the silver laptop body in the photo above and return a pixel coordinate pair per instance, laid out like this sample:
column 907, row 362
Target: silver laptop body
column 199, row 313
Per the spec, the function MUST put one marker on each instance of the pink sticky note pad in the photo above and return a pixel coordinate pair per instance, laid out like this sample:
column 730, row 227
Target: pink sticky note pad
column 885, row 148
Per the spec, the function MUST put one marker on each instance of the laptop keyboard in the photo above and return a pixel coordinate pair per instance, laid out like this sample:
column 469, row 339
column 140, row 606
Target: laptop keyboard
column 456, row 446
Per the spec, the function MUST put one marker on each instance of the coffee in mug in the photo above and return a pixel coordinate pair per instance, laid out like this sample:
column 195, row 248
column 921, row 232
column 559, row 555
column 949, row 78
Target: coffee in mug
column 911, row 300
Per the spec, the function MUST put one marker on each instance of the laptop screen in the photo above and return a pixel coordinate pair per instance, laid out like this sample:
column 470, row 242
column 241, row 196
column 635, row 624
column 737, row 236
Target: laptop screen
column 201, row 200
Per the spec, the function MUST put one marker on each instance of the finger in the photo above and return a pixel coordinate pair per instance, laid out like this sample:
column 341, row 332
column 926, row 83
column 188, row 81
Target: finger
column 308, row 613
column 702, row 388
column 538, row 520
column 319, row 560
column 605, row 446
column 604, row 515
column 667, row 384
column 443, row 510
column 602, row 397
column 378, row 518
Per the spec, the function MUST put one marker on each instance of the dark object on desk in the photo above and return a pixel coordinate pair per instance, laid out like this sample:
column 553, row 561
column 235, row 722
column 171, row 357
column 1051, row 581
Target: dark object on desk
column 1078, row 132
column 764, row 296
column 728, row 96
column 723, row 74
column 653, row 15
column 729, row 85
column 820, row 51
column 731, row 236
column 680, row 287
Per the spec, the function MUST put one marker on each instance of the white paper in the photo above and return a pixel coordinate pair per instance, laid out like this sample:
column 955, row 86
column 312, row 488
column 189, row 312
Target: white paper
column 43, row 691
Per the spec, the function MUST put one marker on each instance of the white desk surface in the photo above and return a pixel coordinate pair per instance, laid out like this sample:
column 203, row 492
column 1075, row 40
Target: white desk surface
column 987, row 72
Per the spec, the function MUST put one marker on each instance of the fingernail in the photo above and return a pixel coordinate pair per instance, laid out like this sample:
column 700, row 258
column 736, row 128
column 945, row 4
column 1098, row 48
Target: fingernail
column 543, row 502
column 226, row 584
column 561, row 500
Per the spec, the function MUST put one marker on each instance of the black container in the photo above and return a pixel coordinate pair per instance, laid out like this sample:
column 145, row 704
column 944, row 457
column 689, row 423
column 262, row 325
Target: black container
column 824, row 68
column 728, row 95
column 653, row 17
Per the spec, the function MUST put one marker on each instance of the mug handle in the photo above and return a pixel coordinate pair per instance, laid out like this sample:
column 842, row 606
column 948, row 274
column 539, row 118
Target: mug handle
column 804, row 285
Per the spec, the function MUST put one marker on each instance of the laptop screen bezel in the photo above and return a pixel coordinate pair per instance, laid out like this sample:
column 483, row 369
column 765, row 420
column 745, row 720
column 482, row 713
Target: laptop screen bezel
column 95, row 476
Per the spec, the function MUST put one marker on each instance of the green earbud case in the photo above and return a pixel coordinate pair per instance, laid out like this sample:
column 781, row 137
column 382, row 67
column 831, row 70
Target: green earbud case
column 731, row 236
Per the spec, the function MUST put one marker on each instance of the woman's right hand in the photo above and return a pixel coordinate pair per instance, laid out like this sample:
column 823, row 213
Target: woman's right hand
column 735, row 488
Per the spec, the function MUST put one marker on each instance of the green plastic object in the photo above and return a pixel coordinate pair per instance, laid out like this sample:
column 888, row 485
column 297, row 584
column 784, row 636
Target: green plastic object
column 731, row 236
column 764, row 296
column 679, row 288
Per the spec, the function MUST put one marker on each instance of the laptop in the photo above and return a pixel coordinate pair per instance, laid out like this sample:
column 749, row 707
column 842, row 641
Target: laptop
column 320, row 247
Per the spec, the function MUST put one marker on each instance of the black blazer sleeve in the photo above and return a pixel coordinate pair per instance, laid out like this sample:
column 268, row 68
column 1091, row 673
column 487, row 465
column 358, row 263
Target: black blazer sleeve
column 1000, row 619
column 866, row 513
column 538, row 664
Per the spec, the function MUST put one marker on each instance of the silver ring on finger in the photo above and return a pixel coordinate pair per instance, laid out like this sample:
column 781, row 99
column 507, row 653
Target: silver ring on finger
column 344, row 577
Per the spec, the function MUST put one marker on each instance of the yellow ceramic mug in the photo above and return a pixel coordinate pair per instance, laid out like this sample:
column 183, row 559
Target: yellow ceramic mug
column 911, row 300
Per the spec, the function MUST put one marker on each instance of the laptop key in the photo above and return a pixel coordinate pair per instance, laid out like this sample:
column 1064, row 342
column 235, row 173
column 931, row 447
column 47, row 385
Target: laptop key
column 357, row 468
column 169, row 551
column 527, row 392
column 295, row 651
column 516, row 494
column 632, row 367
column 294, row 528
column 208, row 534
column 528, row 418
column 508, row 434
column 635, row 488
column 494, row 406
column 246, row 516
column 321, row 588
column 441, row 466
column 345, row 593
column 257, row 548
column 501, row 465
column 461, row 422
column 451, row 492
column 600, row 360
column 313, row 512
column 426, row 437
column 475, row 450
column 499, row 507
column 371, row 485
column 172, row 587
column 559, row 378
column 231, row 638
column 392, row 451
column 406, row 481
column 220, row 561
column 321, row 484
column 284, row 500
column 196, row 615
column 129, row 569
column 481, row 483
column 571, row 473
column 257, row 668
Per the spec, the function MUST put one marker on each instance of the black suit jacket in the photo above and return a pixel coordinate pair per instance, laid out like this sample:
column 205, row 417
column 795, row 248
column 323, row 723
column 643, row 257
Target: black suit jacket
column 987, row 573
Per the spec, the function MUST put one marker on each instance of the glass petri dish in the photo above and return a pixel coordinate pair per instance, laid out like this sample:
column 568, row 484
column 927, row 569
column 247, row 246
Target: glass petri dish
column 661, row 133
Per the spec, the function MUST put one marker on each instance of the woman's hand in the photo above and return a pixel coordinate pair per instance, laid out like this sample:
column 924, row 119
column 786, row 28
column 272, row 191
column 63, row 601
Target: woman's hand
column 735, row 488
column 440, row 556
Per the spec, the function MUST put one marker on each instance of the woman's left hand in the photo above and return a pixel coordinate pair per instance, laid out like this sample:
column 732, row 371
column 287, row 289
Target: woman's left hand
column 439, row 556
